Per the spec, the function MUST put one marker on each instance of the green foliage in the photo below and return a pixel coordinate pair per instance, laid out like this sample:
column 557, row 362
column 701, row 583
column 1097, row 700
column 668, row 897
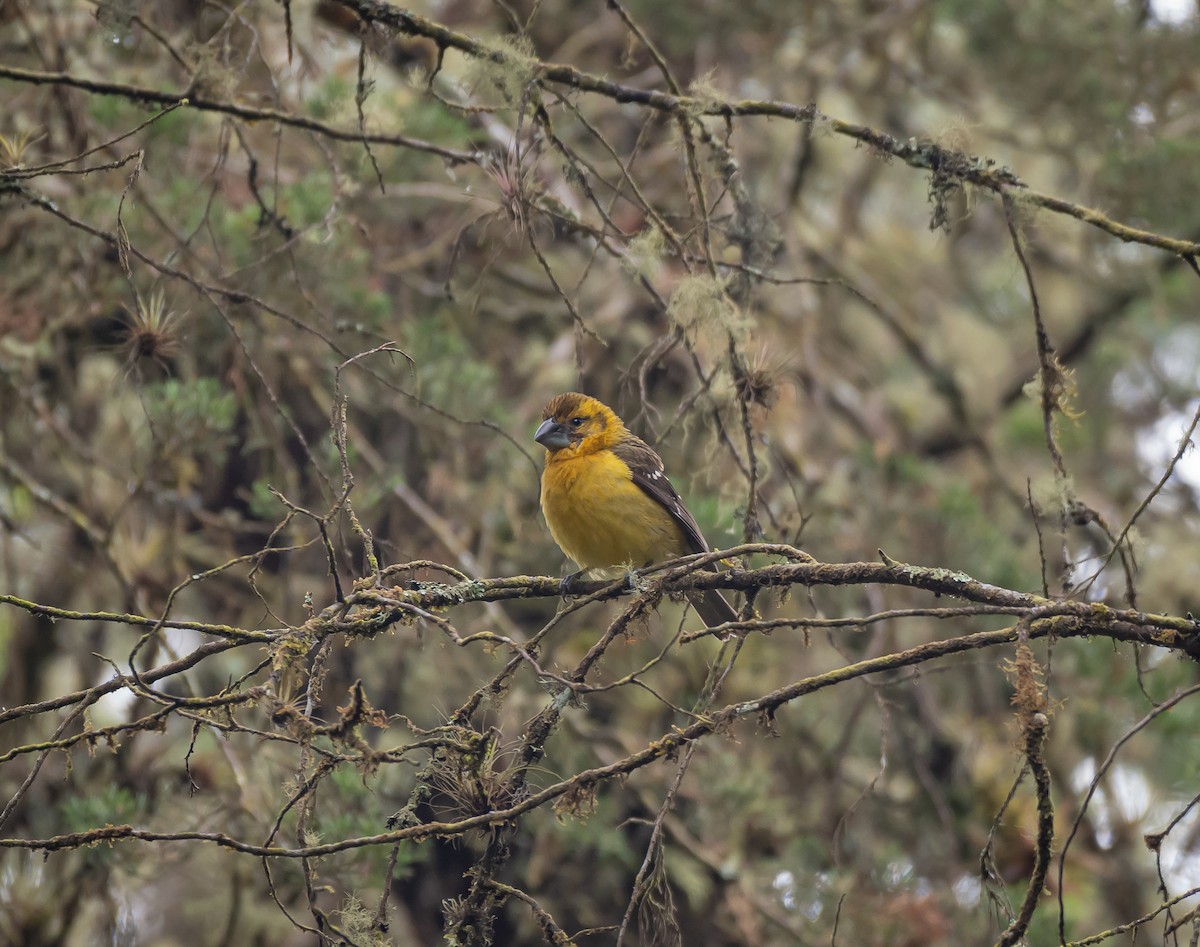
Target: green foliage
column 450, row 371
column 264, row 505
column 590, row 839
column 977, row 542
column 1024, row 427
column 333, row 98
column 1141, row 170
column 197, row 413
column 342, row 266
column 432, row 121
column 108, row 805
column 1066, row 42
column 307, row 202
column 112, row 805
column 712, row 516
column 112, row 112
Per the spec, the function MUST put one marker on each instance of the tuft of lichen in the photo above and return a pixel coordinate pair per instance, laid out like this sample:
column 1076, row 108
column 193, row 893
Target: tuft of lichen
column 212, row 75
column 1052, row 493
column 1055, row 385
column 706, row 97
column 358, row 924
column 645, row 252
column 509, row 67
column 700, row 303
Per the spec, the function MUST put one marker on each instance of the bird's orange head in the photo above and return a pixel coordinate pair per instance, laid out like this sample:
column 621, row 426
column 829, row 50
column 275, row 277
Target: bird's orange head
column 577, row 424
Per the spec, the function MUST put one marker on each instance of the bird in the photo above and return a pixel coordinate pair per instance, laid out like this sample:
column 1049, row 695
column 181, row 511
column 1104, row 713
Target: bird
column 607, row 499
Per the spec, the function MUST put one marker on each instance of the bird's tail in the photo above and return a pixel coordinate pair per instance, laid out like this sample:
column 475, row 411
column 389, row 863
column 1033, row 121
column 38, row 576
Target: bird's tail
column 712, row 608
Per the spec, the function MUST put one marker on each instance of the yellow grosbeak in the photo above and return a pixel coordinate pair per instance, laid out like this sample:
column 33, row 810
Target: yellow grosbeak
column 607, row 500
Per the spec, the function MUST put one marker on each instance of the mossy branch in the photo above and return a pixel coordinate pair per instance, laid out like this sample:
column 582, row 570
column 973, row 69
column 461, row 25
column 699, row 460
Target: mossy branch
column 924, row 155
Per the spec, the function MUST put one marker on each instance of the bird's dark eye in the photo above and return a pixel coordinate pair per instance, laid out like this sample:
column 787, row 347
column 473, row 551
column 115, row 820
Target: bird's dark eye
column 576, row 422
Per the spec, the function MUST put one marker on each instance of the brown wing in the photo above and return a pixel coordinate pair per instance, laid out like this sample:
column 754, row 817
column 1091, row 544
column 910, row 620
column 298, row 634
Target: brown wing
column 647, row 469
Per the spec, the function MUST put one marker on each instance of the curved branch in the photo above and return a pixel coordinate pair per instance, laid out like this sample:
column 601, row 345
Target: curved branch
column 921, row 154
column 585, row 781
column 197, row 100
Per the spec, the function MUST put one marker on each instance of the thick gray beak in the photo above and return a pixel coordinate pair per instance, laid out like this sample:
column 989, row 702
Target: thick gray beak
column 552, row 435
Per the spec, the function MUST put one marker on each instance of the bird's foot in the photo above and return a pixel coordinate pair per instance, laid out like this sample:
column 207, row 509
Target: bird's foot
column 566, row 588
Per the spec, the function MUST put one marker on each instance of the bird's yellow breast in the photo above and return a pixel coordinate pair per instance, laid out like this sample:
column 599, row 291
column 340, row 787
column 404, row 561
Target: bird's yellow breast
column 601, row 518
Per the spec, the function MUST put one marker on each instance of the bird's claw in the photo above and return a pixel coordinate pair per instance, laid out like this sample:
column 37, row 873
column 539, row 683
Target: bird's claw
column 566, row 588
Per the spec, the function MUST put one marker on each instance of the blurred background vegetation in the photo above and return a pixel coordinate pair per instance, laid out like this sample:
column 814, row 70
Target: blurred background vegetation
column 170, row 328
